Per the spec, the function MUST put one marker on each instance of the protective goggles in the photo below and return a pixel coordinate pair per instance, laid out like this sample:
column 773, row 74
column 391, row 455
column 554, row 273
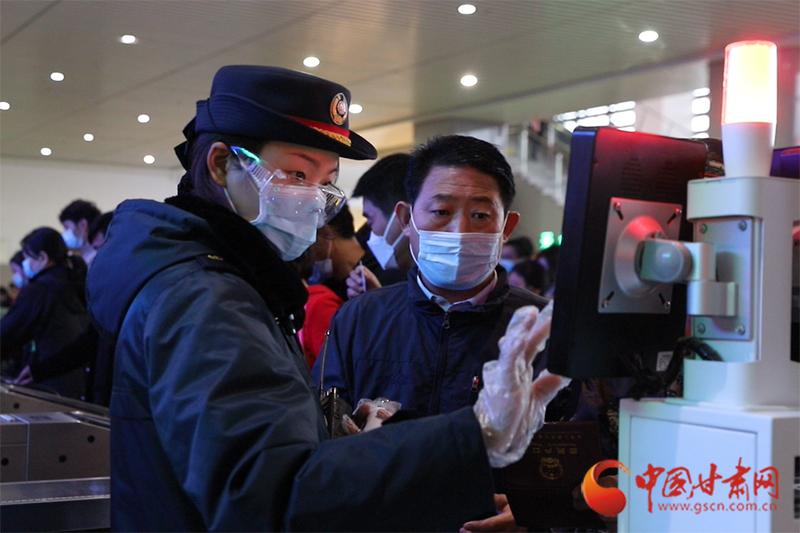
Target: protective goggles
column 266, row 176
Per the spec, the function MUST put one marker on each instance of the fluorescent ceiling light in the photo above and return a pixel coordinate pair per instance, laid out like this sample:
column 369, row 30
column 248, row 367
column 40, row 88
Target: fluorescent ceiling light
column 469, row 80
column 648, row 36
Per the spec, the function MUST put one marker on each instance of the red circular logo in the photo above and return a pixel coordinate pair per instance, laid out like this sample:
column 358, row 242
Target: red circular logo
column 609, row 501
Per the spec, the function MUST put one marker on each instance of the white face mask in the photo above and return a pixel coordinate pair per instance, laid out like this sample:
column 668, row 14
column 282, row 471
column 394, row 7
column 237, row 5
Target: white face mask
column 290, row 210
column 457, row 261
column 382, row 250
column 72, row 241
column 289, row 217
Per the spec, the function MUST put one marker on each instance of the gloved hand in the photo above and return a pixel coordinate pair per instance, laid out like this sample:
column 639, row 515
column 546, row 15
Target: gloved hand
column 369, row 414
column 511, row 406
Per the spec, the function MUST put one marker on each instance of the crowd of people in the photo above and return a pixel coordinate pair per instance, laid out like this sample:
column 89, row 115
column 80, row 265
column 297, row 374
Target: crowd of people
column 216, row 315
column 47, row 339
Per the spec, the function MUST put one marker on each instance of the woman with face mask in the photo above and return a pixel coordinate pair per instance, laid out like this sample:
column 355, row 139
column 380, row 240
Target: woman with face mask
column 50, row 312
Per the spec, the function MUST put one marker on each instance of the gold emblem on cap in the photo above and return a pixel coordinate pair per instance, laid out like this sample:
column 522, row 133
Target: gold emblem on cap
column 339, row 109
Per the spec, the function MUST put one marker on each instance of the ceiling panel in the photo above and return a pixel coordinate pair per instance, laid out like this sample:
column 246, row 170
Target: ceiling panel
column 401, row 59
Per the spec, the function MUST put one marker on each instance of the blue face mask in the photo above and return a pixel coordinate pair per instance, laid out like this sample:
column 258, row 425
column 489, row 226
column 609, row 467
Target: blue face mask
column 457, row 261
column 508, row 264
column 30, row 273
column 72, row 241
column 19, row 280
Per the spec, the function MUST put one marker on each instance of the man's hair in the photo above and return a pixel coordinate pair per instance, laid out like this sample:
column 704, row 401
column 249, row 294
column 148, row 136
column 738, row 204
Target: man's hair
column 384, row 183
column 99, row 226
column 79, row 210
column 459, row 151
column 522, row 245
column 343, row 223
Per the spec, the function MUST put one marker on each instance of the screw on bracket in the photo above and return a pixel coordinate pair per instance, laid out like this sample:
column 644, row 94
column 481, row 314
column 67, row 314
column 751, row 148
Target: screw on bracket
column 618, row 208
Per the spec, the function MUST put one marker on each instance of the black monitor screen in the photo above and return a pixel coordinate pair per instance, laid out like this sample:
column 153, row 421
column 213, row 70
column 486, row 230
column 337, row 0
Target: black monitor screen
column 609, row 167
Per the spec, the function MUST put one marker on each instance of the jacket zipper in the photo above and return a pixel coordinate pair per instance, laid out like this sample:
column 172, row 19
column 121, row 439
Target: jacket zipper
column 441, row 363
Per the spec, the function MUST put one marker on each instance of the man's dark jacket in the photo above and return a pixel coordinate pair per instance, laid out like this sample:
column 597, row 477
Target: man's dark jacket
column 396, row 343
column 216, row 423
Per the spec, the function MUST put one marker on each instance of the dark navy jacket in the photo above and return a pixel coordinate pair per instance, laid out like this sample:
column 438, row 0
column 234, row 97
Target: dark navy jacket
column 216, row 424
column 395, row 343
column 50, row 313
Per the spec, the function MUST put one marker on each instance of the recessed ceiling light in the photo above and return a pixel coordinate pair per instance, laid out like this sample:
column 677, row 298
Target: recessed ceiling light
column 311, row 61
column 648, row 36
column 5, row 106
column 144, row 119
column 57, row 76
column 88, row 137
column 469, row 80
column 128, row 39
column 356, row 108
column 467, row 9
column 149, row 159
column 45, row 151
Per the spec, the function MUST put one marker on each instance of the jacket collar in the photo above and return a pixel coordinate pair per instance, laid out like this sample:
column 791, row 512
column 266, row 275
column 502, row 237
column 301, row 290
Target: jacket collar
column 245, row 247
column 496, row 297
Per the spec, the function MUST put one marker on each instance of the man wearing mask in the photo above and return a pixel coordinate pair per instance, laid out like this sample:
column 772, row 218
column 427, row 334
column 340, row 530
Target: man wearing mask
column 216, row 424
column 382, row 186
column 77, row 218
column 423, row 343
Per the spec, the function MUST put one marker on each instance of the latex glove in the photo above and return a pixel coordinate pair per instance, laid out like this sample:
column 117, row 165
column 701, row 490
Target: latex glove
column 359, row 278
column 511, row 406
column 369, row 414
column 502, row 521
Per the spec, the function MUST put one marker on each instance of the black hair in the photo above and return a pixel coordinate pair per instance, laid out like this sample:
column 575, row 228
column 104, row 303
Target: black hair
column 384, row 183
column 343, row 223
column 534, row 274
column 522, row 245
column 79, row 210
column 459, row 151
column 197, row 180
column 99, row 226
column 46, row 240
column 17, row 258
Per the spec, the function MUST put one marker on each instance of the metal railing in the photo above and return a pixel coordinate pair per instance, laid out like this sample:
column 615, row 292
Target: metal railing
column 540, row 156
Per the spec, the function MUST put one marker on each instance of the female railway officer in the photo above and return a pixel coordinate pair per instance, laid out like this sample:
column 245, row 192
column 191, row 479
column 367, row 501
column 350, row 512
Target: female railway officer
column 216, row 424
